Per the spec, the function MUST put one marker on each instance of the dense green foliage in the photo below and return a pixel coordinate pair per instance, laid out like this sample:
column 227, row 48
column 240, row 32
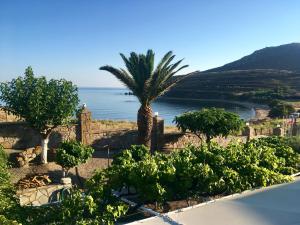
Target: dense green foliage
column 183, row 174
column 147, row 83
column 293, row 142
column 9, row 204
column 280, row 109
column 198, row 171
column 43, row 104
column 210, row 122
column 72, row 153
column 94, row 207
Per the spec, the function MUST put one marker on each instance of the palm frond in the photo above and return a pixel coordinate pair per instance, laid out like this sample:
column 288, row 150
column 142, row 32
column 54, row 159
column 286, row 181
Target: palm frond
column 164, row 59
column 123, row 76
column 142, row 79
column 162, row 77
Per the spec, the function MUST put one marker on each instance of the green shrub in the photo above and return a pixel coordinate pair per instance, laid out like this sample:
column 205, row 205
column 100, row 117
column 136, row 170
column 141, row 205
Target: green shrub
column 9, row 204
column 78, row 208
column 5, row 221
column 294, row 143
column 287, row 158
column 200, row 171
column 134, row 154
column 72, row 153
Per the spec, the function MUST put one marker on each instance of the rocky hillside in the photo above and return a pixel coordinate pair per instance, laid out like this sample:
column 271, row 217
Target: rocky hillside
column 283, row 57
column 269, row 73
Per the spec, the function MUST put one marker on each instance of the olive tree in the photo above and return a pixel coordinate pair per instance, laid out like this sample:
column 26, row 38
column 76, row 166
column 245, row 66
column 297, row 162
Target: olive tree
column 211, row 122
column 43, row 104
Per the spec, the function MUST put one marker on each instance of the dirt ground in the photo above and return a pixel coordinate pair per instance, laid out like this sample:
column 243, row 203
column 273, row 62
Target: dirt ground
column 98, row 161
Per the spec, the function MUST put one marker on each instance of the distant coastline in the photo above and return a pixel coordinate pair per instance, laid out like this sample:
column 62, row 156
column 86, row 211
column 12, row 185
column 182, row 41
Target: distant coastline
column 111, row 103
column 261, row 110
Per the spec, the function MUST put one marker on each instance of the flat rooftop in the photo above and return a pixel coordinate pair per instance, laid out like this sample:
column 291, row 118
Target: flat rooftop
column 275, row 205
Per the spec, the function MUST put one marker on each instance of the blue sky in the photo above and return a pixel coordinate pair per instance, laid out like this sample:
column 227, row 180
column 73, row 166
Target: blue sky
column 72, row 38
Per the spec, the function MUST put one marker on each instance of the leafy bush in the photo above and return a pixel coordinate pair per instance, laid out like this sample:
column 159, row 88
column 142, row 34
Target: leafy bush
column 294, row 143
column 5, row 221
column 72, row 153
column 78, row 208
column 198, row 171
column 287, row 158
column 9, row 204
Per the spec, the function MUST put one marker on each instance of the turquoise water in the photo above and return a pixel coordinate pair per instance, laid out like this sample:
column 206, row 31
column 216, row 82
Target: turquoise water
column 113, row 104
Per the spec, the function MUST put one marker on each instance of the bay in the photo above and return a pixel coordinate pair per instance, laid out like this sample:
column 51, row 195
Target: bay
column 113, row 104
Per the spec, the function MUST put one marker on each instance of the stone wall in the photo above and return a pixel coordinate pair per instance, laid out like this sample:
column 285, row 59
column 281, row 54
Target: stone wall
column 116, row 135
column 18, row 135
column 41, row 195
column 6, row 117
column 177, row 140
column 100, row 134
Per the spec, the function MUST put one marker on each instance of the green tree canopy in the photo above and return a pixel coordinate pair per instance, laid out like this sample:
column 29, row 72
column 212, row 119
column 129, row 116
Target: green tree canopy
column 280, row 109
column 211, row 122
column 43, row 104
column 146, row 83
column 72, row 153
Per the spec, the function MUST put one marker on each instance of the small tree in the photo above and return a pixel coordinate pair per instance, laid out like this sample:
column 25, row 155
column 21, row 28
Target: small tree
column 43, row 104
column 280, row 109
column 71, row 154
column 211, row 122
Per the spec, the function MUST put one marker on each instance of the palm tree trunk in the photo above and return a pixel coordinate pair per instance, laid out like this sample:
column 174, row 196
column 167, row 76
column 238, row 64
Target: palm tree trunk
column 144, row 122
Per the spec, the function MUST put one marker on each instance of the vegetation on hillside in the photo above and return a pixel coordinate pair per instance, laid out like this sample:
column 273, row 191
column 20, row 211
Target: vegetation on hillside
column 259, row 86
column 43, row 104
column 267, row 74
column 146, row 83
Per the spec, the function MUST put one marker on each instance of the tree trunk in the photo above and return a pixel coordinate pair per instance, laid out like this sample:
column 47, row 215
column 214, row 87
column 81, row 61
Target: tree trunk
column 45, row 140
column 208, row 141
column 144, row 122
column 79, row 178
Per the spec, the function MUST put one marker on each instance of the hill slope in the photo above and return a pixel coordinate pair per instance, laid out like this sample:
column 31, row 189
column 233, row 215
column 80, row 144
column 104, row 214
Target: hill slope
column 267, row 74
column 283, row 57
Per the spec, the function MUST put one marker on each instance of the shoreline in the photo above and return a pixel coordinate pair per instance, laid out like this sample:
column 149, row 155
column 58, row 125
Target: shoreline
column 261, row 111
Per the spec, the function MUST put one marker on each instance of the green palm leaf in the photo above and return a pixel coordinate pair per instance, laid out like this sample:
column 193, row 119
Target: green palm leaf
column 146, row 82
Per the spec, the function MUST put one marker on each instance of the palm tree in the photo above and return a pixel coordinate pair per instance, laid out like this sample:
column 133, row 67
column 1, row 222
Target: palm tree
column 146, row 83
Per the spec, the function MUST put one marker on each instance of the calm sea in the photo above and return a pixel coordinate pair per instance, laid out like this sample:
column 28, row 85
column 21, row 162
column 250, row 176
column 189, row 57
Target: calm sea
column 113, row 104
